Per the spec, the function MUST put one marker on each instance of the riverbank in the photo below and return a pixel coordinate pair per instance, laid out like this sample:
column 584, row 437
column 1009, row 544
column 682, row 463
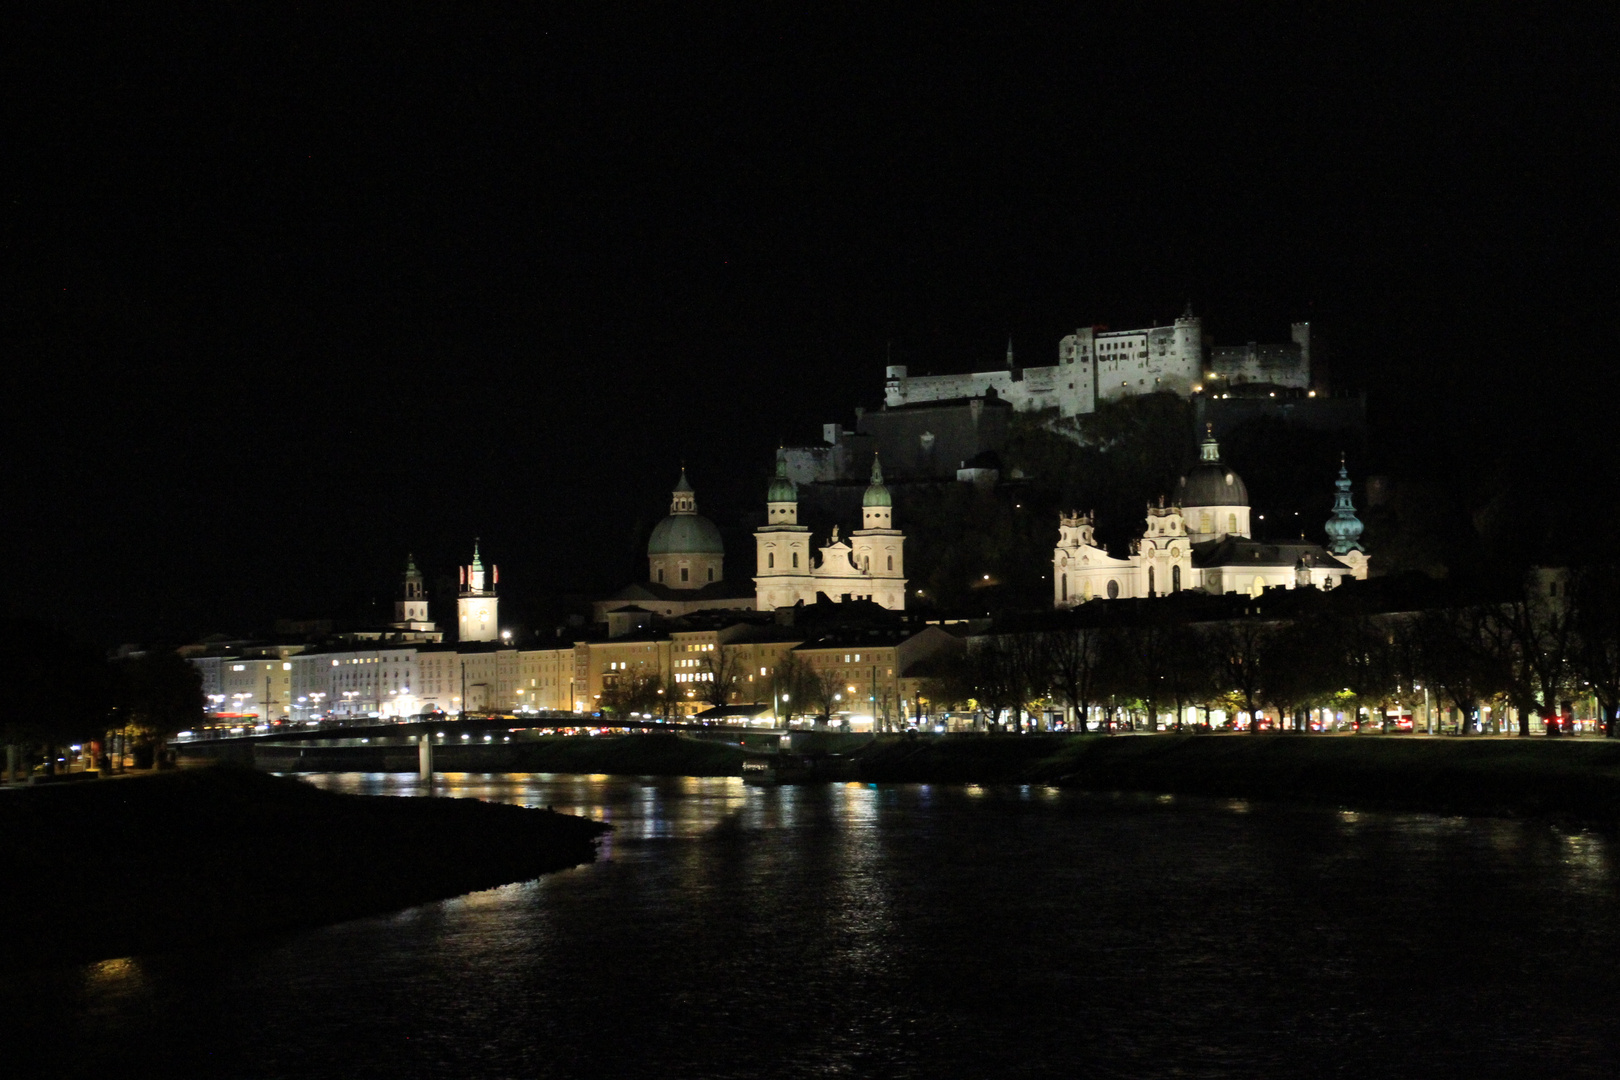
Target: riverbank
column 1488, row 776
column 121, row 867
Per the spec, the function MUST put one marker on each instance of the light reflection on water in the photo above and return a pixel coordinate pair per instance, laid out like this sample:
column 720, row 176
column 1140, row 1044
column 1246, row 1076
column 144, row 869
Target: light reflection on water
column 923, row 930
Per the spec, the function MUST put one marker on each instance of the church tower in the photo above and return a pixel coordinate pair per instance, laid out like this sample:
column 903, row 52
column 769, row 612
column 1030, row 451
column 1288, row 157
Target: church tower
column 411, row 609
column 877, row 547
column 782, row 574
column 1344, row 528
column 475, row 607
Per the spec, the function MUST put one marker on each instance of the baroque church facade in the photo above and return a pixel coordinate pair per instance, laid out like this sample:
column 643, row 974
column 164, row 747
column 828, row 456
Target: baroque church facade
column 1203, row 541
column 867, row 565
column 686, row 558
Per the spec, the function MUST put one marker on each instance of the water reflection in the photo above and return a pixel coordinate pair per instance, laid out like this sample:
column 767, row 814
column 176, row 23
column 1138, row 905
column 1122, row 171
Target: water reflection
column 913, row 931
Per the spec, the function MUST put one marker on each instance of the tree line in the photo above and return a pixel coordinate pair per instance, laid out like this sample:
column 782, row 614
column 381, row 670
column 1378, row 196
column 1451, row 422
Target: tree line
column 67, row 693
column 1124, row 665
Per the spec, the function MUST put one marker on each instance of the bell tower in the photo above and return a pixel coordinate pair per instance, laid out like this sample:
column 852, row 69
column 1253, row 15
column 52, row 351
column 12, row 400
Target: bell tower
column 878, row 548
column 476, row 605
column 411, row 609
column 782, row 574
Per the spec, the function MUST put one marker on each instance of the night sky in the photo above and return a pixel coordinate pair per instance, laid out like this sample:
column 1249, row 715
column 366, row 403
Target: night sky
column 290, row 292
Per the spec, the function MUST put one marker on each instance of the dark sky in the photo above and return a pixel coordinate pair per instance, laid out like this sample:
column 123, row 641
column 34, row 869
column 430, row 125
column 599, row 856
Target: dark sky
column 291, row 291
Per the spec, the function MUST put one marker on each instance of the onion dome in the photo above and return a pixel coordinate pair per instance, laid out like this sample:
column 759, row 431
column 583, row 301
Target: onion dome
column 782, row 489
column 685, row 531
column 1211, row 483
column 1344, row 528
column 876, row 493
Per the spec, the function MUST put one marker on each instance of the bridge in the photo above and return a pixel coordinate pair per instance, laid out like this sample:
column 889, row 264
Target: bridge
column 444, row 744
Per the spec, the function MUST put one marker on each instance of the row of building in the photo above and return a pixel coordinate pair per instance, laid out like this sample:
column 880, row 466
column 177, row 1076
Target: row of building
column 682, row 632
column 875, row 666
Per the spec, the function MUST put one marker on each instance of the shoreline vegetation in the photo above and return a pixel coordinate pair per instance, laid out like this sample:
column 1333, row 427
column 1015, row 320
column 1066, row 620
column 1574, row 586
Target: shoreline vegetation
column 169, row 861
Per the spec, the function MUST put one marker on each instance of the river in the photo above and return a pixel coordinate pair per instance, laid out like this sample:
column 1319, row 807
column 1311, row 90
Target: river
column 907, row 931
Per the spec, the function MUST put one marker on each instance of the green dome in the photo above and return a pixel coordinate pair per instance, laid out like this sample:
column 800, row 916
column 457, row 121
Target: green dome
column 782, row 489
column 876, row 493
column 685, row 534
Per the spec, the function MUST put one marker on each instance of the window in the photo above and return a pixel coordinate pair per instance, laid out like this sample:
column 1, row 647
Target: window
column 1150, row 581
column 660, row 575
column 770, row 560
column 1113, row 589
column 711, row 573
column 795, row 560
column 1175, row 579
column 1065, row 586
column 891, row 562
column 683, row 574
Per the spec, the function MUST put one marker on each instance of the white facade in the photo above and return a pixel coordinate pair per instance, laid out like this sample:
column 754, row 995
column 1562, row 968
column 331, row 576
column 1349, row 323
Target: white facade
column 1203, row 546
column 869, row 565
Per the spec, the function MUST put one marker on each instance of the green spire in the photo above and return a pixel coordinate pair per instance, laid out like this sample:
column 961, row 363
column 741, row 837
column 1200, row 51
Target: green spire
column 782, row 489
column 1344, row 528
column 876, row 493
column 477, row 563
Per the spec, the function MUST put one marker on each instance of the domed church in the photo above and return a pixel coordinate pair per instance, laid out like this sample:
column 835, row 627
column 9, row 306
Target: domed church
column 1203, row 542
column 685, row 550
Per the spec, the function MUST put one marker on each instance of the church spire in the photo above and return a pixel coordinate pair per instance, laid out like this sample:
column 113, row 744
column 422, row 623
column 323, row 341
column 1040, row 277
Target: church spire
column 1344, row 528
column 1210, row 450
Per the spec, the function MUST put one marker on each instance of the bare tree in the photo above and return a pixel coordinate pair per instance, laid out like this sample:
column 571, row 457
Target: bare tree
column 721, row 667
column 1595, row 646
column 1453, row 659
column 1072, row 657
column 1242, row 643
column 1529, row 638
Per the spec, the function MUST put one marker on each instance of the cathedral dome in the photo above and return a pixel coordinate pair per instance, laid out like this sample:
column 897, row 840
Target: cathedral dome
column 685, row 534
column 685, row 531
column 1212, row 485
column 1211, row 482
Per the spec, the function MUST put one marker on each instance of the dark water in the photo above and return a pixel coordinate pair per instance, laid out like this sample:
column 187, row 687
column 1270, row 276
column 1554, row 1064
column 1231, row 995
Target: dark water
column 909, row 931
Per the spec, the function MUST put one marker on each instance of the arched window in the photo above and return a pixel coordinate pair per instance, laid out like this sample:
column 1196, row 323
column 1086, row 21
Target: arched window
column 1231, row 523
column 1150, row 582
column 770, row 560
column 1086, row 594
column 795, row 560
column 683, row 573
column 1065, row 586
column 891, row 562
column 1175, row 579
column 1258, row 587
column 1113, row 589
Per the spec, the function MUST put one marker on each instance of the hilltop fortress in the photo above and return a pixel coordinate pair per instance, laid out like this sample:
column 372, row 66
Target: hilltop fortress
column 1098, row 364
